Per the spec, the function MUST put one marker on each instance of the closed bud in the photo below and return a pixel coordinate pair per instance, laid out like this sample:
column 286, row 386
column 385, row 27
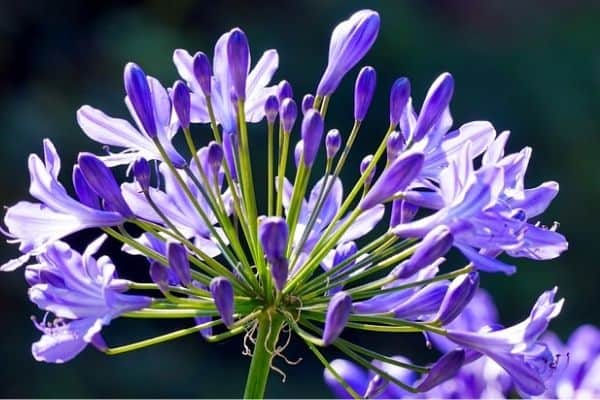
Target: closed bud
column 214, row 156
column 424, row 301
column 238, row 57
column 273, row 234
column 395, row 145
column 398, row 98
column 402, row 212
column 83, row 190
column 393, row 179
column 203, row 72
column 434, row 245
column 141, row 173
column 284, row 91
column 459, row 294
column 363, row 92
column 437, row 100
column 312, row 132
column 178, row 261
column 101, row 180
column 140, row 97
column 308, row 102
column 442, row 370
column 364, row 164
column 159, row 275
column 288, row 114
column 338, row 312
column 350, row 41
column 333, row 142
column 181, row 103
column 271, row 108
column 222, row 293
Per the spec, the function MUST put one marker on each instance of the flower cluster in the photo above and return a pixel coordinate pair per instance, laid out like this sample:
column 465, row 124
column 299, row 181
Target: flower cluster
column 305, row 262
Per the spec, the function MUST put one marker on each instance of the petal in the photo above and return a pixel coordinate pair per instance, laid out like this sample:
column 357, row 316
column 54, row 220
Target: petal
column 485, row 263
column 263, row 71
column 363, row 224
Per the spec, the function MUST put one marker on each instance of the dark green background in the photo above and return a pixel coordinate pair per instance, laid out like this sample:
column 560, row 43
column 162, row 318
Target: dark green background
column 531, row 67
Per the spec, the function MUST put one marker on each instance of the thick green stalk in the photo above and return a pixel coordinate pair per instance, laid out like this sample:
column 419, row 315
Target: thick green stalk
column 269, row 327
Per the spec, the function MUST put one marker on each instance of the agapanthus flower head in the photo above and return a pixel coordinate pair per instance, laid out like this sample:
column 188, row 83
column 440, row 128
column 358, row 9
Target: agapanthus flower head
column 318, row 258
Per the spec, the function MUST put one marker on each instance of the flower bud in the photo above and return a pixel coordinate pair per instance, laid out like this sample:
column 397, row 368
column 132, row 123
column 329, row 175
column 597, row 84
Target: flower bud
column 222, row 293
column 181, row 103
column 402, row 212
column 84, row 192
column 437, row 100
column 459, row 294
column 141, row 173
column 271, row 108
column 363, row 92
column 364, row 164
column 273, row 235
column 393, row 179
column 178, row 261
column 338, row 312
column 308, row 102
column 214, row 155
column 350, row 41
column 442, row 370
column 434, row 245
column 333, row 142
column 238, row 57
column 399, row 95
column 395, row 145
column 138, row 93
column 100, row 178
column 425, row 301
column 312, row 132
column 288, row 114
column 284, row 91
column 159, row 275
column 202, row 72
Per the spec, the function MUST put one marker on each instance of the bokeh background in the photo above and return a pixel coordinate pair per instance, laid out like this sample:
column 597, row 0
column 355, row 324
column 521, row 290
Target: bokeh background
column 529, row 66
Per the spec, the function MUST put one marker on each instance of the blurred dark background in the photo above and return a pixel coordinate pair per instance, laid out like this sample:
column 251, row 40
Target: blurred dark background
column 529, row 66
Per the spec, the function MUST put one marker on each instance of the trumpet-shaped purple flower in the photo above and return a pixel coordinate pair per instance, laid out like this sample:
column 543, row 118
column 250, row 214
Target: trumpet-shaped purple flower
column 350, row 41
column 256, row 89
column 83, row 293
column 517, row 348
column 135, row 142
column 35, row 226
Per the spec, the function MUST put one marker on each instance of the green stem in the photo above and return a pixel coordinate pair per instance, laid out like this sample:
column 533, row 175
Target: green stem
column 269, row 327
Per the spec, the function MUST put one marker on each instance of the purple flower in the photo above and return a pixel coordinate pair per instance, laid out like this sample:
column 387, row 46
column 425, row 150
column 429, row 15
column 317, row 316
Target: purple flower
column 284, row 91
column 338, row 312
column 202, row 71
column 443, row 369
column 435, row 244
column 399, row 95
column 178, row 261
column 142, row 174
column 136, row 142
column 222, row 293
column 256, row 90
column 140, row 98
column 83, row 293
column 363, row 92
column 181, row 103
column 459, row 294
column 308, row 102
column 238, row 58
column 517, row 348
column 393, row 179
column 101, row 180
column 350, row 41
column 271, row 108
column 288, row 114
column 35, row 226
column 273, row 234
column 355, row 376
column 333, row 142
column 312, row 132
